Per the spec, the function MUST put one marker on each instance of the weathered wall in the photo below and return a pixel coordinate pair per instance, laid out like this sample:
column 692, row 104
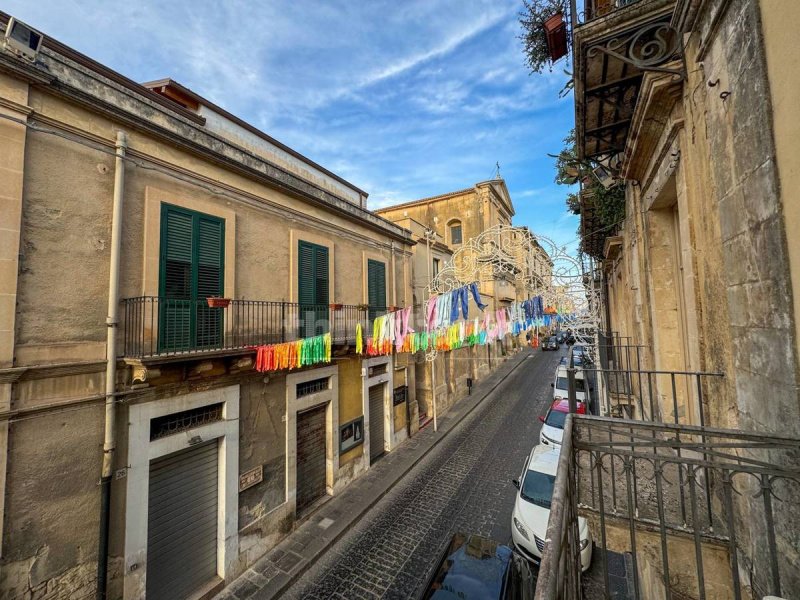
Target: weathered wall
column 262, row 442
column 65, row 191
column 779, row 22
column 736, row 240
column 52, row 503
column 682, row 562
column 753, row 233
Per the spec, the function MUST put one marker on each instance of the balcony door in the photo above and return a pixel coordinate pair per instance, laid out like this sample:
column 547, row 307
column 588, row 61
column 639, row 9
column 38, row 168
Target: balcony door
column 312, row 289
column 191, row 270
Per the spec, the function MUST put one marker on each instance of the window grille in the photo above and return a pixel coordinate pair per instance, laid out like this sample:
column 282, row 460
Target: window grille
column 377, row 370
column 312, row 387
column 187, row 419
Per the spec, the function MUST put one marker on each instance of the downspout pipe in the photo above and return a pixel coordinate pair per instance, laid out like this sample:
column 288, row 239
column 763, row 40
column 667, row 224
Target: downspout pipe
column 112, row 321
column 394, row 279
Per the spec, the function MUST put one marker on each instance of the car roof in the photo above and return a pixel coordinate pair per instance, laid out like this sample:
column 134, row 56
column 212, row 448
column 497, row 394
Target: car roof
column 562, row 372
column 471, row 566
column 563, row 406
column 544, row 459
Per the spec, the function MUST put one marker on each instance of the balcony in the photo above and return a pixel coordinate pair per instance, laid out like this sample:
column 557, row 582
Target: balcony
column 614, row 45
column 676, row 509
column 694, row 512
column 166, row 328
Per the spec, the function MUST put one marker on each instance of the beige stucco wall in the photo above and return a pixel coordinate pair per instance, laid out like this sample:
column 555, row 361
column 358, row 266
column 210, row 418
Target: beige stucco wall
column 737, row 229
column 55, row 302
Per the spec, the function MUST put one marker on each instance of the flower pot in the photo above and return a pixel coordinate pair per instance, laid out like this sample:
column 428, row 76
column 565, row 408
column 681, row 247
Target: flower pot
column 336, row 306
column 214, row 302
column 555, row 31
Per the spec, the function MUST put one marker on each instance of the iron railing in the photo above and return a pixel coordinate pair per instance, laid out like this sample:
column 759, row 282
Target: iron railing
column 157, row 326
column 698, row 512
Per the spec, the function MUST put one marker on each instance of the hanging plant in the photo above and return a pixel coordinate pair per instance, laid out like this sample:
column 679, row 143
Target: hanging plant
column 539, row 18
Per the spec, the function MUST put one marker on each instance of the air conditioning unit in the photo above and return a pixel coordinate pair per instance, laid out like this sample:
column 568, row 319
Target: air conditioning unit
column 22, row 40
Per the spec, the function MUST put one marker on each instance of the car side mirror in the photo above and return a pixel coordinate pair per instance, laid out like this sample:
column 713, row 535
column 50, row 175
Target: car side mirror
column 541, row 418
column 515, row 482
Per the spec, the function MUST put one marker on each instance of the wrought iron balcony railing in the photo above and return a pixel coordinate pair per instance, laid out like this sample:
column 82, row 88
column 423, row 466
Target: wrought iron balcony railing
column 156, row 326
column 695, row 512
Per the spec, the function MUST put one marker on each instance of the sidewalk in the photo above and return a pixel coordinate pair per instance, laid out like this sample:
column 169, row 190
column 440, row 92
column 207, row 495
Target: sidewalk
column 283, row 565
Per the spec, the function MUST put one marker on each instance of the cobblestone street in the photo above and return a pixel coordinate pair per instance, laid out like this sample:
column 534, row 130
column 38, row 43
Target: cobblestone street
column 463, row 485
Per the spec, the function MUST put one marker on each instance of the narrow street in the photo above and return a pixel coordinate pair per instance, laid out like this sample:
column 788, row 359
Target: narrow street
column 463, row 485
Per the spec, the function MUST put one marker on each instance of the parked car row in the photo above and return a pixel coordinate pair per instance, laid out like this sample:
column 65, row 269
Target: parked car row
column 536, row 482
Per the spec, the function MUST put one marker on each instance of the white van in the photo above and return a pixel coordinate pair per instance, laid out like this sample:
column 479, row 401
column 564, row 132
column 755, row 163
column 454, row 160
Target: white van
column 560, row 390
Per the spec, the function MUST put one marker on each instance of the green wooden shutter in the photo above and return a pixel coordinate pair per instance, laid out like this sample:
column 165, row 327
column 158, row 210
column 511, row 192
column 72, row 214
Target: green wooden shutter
column 305, row 271
column 210, row 270
column 175, row 305
column 313, row 289
column 192, row 268
column 376, row 288
column 321, row 275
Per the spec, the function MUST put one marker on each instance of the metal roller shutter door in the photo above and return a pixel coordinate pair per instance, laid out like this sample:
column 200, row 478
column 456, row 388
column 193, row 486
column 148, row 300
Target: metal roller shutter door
column 311, row 483
column 376, row 418
column 182, row 523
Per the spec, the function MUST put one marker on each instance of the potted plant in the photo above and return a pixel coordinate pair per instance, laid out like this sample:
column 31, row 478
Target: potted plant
column 362, row 306
column 217, row 302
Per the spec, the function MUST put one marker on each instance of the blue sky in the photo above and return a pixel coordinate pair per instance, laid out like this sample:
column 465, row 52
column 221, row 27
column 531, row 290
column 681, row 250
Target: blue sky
column 404, row 99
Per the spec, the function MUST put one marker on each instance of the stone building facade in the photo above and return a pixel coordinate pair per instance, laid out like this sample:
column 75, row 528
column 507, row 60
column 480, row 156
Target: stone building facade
column 703, row 271
column 454, row 220
column 208, row 206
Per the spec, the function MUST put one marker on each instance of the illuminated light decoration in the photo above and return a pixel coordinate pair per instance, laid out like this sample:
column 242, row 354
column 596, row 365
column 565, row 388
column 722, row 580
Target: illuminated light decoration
column 534, row 264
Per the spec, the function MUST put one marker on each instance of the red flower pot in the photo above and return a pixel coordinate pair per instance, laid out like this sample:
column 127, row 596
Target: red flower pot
column 218, row 302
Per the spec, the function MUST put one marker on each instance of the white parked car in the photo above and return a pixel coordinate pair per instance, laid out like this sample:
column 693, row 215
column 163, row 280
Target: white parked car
column 532, row 507
column 560, row 389
column 553, row 422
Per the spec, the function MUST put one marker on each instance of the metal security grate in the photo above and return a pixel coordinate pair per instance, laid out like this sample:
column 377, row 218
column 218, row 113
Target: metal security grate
column 181, row 421
column 312, row 387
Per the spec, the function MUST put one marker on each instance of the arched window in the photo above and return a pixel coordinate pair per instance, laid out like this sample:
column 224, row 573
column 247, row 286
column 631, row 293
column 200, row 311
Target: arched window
column 455, row 232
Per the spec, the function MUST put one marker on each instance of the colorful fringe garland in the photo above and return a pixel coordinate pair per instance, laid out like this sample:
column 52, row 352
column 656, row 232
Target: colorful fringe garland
column 293, row 355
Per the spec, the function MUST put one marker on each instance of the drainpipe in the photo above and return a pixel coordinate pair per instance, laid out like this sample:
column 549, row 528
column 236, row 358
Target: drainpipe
column 394, row 279
column 109, row 439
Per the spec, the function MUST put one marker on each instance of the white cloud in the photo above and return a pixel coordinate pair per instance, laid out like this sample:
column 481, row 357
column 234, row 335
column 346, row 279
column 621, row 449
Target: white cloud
column 405, row 99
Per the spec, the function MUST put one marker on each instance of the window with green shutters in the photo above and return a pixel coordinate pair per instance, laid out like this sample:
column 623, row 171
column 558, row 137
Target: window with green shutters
column 312, row 288
column 376, row 288
column 191, row 270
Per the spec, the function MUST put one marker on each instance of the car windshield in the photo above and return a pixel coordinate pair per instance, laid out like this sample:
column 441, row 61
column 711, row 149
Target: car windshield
column 538, row 488
column 552, row 339
column 561, row 384
column 555, row 418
